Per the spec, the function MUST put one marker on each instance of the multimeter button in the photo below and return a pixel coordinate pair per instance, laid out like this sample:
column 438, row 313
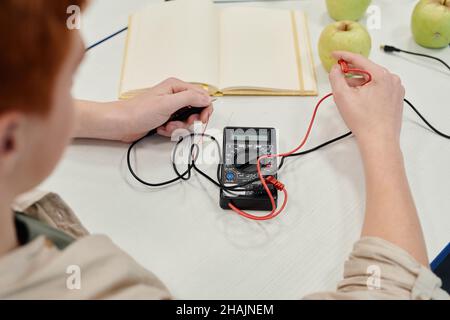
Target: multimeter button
column 230, row 176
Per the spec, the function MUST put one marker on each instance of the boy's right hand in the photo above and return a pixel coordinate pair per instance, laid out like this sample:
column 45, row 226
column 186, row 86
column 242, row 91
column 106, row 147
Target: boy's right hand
column 373, row 112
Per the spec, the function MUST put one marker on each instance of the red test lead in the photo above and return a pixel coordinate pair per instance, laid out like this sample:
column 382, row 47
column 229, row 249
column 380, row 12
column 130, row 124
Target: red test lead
column 270, row 179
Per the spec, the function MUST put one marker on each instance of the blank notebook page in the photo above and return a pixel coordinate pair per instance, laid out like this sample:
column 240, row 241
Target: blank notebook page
column 257, row 49
column 172, row 40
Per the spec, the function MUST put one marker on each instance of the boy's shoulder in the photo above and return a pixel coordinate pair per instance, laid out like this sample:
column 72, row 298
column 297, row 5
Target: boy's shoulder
column 59, row 259
column 92, row 267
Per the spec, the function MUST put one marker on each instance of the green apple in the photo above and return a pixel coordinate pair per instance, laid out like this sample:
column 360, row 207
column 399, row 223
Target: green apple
column 431, row 23
column 347, row 9
column 343, row 36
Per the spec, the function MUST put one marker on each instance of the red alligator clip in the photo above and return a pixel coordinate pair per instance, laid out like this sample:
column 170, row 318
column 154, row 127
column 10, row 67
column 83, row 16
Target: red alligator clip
column 344, row 65
column 277, row 184
column 347, row 70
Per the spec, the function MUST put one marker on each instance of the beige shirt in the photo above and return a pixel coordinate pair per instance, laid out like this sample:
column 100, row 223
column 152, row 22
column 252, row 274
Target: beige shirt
column 376, row 269
column 39, row 271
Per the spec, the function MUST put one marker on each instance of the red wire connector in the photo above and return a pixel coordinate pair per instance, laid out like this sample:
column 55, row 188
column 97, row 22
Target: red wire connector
column 344, row 65
column 347, row 70
column 277, row 184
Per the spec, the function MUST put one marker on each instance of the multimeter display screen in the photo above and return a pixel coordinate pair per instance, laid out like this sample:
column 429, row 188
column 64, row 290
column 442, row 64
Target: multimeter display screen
column 250, row 137
column 243, row 147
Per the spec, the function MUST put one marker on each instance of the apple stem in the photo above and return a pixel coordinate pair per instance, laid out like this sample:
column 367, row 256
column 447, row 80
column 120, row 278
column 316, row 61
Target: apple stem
column 344, row 27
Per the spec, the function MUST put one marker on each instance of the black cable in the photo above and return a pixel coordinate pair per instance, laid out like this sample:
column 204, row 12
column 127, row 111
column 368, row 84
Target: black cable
column 192, row 160
column 186, row 175
column 390, row 49
column 106, row 39
column 426, row 121
column 323, row 145
column 192, row 165
column 149, row 184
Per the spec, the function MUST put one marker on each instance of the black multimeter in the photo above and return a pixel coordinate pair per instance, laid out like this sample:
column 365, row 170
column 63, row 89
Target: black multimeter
column 241, row 149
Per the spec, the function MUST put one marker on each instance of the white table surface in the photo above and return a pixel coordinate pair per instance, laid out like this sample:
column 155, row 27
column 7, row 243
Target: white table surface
column 201, row 251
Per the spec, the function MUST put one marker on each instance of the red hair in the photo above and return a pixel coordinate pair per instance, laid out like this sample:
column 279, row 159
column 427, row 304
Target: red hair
column 35, row 42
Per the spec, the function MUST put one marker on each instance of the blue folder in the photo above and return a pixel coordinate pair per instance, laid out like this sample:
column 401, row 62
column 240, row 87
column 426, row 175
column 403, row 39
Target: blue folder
column 441, row 267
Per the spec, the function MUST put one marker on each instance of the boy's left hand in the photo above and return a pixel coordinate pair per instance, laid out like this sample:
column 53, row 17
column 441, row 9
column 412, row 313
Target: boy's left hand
column 154, row 107
column 130, row 120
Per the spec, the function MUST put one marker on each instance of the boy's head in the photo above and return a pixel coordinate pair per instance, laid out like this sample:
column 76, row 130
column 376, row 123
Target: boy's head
column 38, row 59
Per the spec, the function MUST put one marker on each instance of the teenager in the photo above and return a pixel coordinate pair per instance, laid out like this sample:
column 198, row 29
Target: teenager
column 38, row 117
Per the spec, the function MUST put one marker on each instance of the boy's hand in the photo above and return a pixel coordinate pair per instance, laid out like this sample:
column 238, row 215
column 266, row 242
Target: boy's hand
column 130, row 120
column 373, row 112
column 154, row 107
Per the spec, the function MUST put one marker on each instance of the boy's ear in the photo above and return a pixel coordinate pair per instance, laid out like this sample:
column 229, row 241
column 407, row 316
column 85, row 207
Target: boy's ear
column 9, row 131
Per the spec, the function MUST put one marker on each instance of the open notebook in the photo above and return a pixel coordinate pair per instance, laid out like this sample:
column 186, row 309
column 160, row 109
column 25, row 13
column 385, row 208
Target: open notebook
column 231, row 51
